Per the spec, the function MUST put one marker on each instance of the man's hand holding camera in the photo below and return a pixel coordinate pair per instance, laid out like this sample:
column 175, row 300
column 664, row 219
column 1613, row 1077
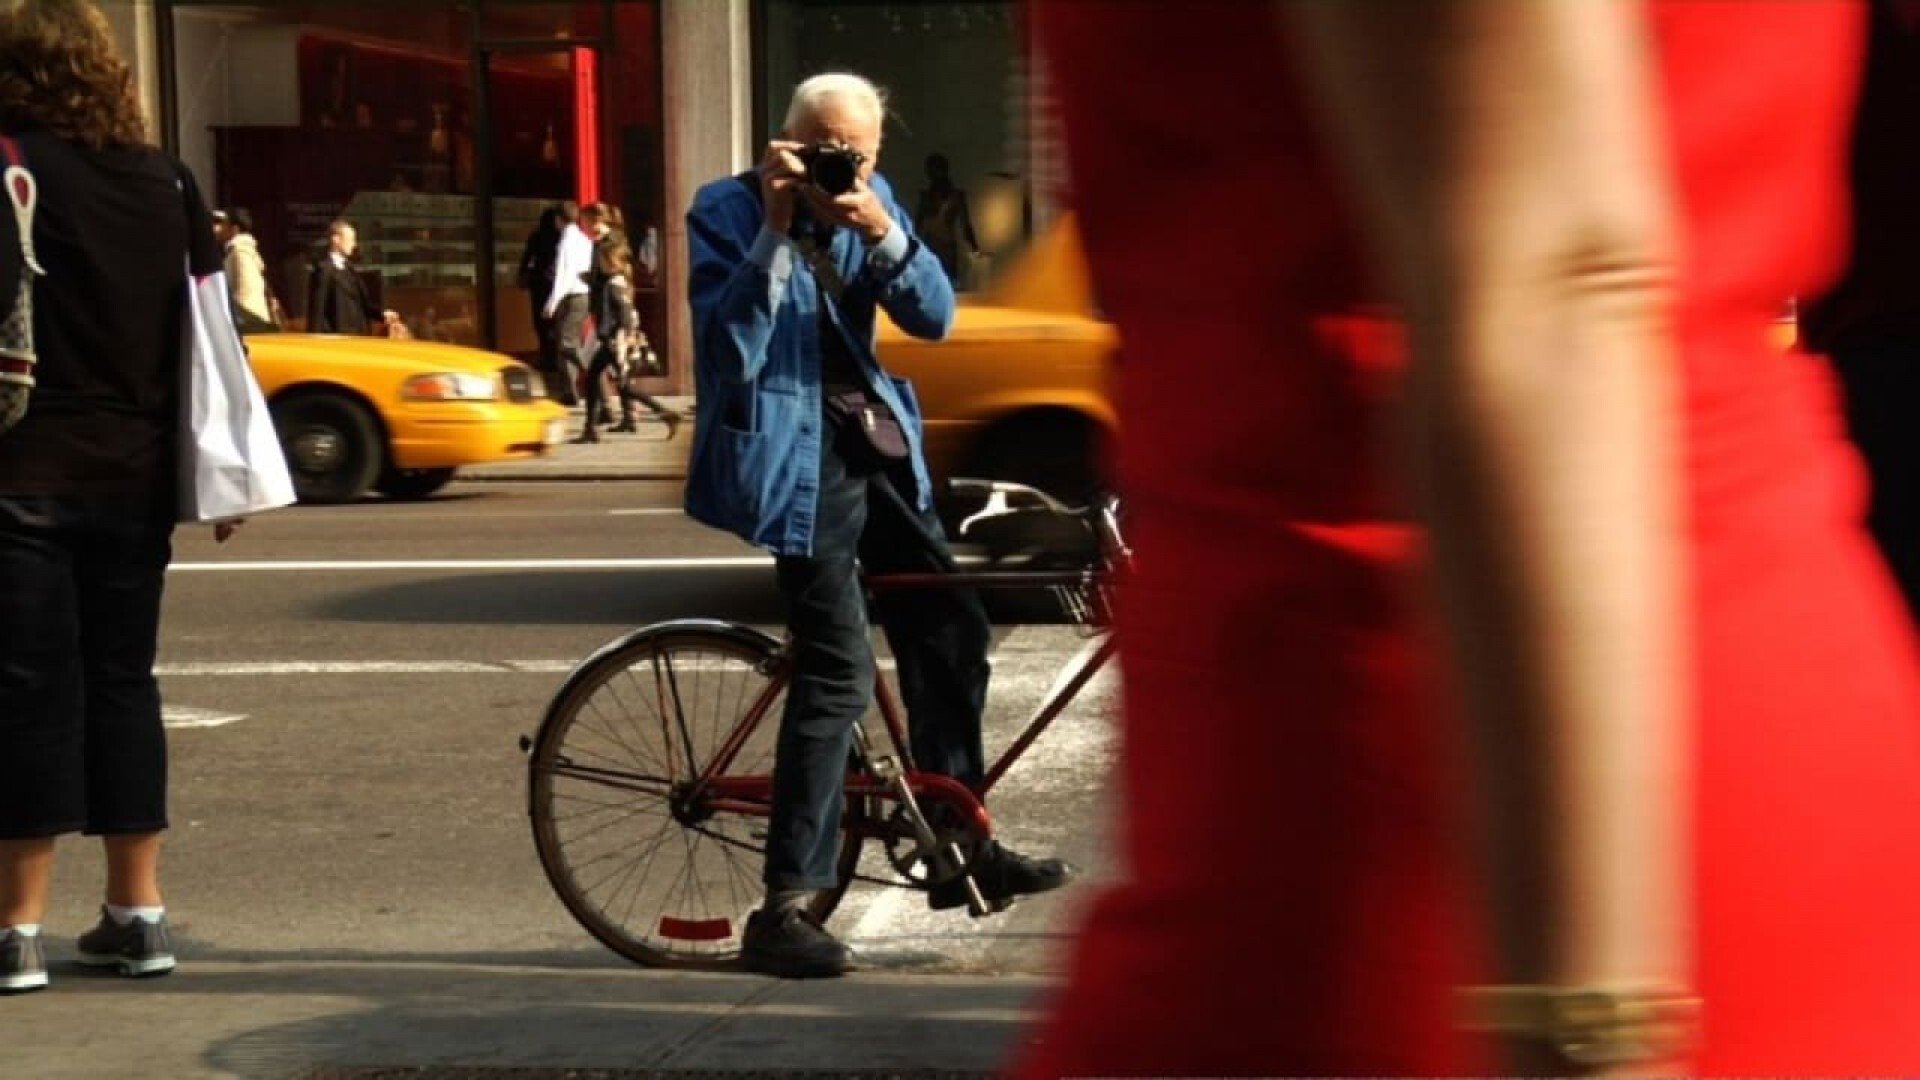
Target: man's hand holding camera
column 860, row 210
column 791, row 172
column 782, row 174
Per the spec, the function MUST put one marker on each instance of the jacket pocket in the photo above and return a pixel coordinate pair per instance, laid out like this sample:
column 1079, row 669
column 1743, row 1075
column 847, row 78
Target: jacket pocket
column 740, row 471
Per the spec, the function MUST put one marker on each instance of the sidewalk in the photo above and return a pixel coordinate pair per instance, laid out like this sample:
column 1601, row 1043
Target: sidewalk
column 644, row 455
column 370, row 1018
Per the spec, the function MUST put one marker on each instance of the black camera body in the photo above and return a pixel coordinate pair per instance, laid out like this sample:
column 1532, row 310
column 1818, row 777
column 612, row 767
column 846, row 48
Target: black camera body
column 832, row 167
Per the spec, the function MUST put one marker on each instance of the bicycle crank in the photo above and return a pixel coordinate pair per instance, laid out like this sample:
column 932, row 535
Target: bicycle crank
column 939, row 855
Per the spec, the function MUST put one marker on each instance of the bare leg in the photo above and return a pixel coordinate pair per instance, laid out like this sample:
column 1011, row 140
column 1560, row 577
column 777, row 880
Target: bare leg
column 133, row 869
column 26, row 870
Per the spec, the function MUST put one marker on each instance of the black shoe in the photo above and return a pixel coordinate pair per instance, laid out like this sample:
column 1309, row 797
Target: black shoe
column 1002, row 874
column 672, row 420
column 625, row 426
column 23, row 962
column 585, row 437
column 138, row 949
column 787, row 944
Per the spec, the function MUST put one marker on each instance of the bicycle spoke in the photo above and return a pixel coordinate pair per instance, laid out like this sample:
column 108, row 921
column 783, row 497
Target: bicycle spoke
column 612, row 733
column 650, row 718
column 679, row 711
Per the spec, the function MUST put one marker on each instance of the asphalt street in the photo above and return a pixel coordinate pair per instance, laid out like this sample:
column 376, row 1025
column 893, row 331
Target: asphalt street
column 346, row 687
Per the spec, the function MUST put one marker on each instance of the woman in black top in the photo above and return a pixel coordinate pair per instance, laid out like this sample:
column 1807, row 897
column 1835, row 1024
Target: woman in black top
column 87, row 486
column 617, row 333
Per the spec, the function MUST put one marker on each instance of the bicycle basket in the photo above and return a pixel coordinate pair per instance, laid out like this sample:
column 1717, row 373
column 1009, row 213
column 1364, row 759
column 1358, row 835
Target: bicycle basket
column 1088, row 603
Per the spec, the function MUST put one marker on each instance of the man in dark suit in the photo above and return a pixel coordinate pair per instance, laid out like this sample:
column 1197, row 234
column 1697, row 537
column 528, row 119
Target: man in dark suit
column 337, row 297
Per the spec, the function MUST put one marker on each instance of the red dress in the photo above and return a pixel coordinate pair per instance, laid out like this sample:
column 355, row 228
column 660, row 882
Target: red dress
column 1298, row 899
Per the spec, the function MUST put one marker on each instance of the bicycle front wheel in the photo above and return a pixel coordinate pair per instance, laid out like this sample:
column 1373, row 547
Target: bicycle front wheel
column 648, row 863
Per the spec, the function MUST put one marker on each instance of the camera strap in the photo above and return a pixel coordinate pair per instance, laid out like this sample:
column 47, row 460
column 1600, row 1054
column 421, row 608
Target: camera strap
column 820, row 259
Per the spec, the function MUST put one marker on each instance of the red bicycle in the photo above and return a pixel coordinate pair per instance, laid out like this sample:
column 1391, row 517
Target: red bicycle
column 651, row 776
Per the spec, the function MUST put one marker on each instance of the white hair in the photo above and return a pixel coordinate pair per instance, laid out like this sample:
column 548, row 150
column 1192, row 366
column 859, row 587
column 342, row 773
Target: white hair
column 811, row 97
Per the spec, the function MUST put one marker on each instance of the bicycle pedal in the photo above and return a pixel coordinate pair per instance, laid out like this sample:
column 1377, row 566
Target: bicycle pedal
column 994, row 907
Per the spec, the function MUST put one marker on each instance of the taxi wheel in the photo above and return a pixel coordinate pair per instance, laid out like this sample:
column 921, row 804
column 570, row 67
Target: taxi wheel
column 413, row 483
column 332, row 446
column 1055, row 450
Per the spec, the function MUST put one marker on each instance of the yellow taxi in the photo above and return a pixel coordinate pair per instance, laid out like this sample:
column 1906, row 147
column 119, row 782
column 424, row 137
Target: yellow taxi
column 1019, row 390
column 361, row 413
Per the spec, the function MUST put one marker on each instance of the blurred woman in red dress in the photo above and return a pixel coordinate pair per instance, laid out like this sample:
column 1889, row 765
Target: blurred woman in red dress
column 1656, row 742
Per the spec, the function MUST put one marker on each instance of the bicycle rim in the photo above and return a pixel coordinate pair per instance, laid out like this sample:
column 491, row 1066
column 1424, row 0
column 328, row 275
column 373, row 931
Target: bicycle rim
column 657, row 888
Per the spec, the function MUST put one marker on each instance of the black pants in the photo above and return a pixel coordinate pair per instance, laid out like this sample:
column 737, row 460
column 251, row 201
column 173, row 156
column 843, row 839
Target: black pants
column 1882, row 384
column 569, row 328
column 81, row 743
column 547, row 334
column 606, row 364
column 939, row 640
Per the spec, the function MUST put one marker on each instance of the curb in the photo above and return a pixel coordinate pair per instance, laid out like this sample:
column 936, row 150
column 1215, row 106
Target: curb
column 479, row 476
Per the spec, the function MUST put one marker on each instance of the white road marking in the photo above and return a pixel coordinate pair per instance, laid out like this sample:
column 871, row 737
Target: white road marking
column 882, row 912
column 707, row 562
column 193, row 668
column 358, row 565
column 180, row 716
column 366, row 667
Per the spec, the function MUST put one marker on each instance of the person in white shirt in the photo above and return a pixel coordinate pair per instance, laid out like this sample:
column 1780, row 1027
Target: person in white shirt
column 567, row 303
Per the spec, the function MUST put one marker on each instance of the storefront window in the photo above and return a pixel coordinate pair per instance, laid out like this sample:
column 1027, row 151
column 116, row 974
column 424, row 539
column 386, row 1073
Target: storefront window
column 955, row 77
column 301, row 113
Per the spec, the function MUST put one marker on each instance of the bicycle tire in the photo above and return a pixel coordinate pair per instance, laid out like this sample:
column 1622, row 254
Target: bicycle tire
column 610, row 716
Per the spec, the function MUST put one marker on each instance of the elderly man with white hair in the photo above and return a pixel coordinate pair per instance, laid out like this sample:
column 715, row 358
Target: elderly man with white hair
column 805, row 446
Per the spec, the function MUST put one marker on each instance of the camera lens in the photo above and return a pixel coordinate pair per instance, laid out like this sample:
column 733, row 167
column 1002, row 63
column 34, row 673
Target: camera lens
column 833, row 171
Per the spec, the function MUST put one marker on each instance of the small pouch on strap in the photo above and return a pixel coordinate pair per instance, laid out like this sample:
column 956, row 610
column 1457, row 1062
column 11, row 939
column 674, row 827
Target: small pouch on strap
column 868, row 421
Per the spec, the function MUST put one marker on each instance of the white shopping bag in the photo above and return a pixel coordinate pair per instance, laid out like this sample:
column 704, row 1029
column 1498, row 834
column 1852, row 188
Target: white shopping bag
column 230, row 460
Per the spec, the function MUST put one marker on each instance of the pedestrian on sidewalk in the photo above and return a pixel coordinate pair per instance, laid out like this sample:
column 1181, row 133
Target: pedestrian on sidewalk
column 338, row 300
column 1608, row 765
column 253, row 303
column 87, row 488
column 567, row 304
column 617, row 333
column 537, row 261
column 805, row 446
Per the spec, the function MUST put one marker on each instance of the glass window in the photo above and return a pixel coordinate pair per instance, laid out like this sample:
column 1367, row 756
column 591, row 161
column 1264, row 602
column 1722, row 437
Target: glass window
column 955, row 79
column 301, row 113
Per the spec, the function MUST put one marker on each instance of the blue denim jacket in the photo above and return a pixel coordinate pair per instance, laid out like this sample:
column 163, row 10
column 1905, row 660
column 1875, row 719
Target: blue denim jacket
column 755, row 470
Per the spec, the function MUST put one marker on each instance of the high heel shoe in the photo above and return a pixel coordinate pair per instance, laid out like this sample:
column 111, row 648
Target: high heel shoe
column 672, row 420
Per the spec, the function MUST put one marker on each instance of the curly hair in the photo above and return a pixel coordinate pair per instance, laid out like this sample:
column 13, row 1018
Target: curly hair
column 59, row 71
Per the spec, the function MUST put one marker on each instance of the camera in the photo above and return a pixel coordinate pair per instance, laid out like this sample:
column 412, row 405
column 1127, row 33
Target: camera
column 831, row 167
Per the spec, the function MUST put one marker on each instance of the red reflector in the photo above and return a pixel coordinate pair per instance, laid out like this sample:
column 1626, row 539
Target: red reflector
column 695, row 929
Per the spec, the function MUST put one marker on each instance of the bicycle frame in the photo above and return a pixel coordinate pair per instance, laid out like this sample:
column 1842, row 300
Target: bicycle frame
column 753, row 794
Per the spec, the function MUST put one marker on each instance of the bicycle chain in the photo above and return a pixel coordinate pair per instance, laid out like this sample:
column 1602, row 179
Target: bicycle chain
column 897, row 883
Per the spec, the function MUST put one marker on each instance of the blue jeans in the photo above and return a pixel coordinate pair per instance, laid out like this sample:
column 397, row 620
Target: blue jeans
column 939, row 639
column 81, row 742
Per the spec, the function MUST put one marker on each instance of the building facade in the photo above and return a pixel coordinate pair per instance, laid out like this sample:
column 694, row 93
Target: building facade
column 442, row 128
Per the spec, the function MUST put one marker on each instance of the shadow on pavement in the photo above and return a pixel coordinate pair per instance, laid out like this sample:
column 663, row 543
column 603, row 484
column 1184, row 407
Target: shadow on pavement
column 632, row 597
column 459, row 1018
